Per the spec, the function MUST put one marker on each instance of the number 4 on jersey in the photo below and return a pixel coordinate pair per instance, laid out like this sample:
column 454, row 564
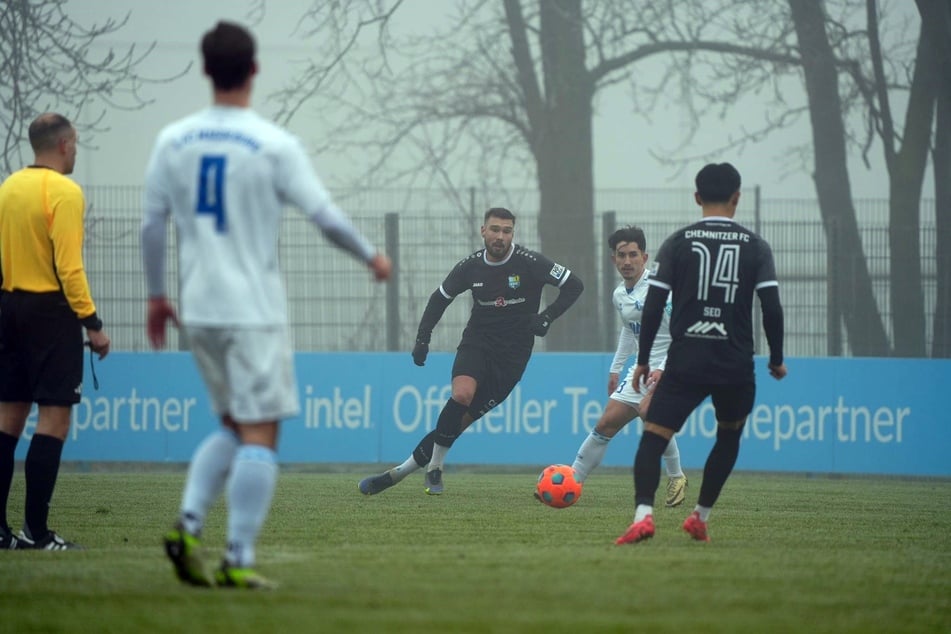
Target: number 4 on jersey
column 211, row 185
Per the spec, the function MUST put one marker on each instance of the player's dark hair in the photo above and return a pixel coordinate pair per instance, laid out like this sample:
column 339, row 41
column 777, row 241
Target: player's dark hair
column 629, row 233
column 46, row 131
column 498, row 212
column 717, row 182
column 228, row 51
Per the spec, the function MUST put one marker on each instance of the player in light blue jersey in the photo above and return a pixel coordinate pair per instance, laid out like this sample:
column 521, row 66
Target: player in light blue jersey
column 628, row 401
column 224, row 175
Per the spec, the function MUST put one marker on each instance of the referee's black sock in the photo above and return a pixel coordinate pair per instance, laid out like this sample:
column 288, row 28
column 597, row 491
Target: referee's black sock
column 719, row 465
column 8, row 445
column 647, row 467
column 41, row 469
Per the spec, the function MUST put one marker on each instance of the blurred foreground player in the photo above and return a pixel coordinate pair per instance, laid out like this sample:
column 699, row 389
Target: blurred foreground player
column 225, row 174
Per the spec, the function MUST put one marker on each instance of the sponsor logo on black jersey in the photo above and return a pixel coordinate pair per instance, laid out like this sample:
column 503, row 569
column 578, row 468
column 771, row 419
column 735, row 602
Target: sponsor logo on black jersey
column 712, row 329
column 501, row 302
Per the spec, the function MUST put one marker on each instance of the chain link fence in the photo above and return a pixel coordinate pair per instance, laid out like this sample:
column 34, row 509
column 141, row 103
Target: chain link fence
column 335, row 306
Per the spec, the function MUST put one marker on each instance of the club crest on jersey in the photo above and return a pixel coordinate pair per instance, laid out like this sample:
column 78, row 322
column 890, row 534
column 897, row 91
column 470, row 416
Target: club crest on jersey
column 514, row 281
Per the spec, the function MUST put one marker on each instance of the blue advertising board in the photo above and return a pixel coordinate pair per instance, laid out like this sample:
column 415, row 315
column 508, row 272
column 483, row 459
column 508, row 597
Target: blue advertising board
column 875, row 416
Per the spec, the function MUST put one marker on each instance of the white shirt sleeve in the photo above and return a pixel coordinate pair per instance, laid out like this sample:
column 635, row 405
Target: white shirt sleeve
column 154, row 226
column 658, row 358
column 300, row 185
column 626, row 346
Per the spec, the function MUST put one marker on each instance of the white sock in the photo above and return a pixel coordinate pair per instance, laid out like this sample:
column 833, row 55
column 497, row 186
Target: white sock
column 672, row 459
column 704, row 512
column 590, row 454
column 439, row 456
column 642, row 511
column 401, row 471
column 206, row 478
column 250, row 490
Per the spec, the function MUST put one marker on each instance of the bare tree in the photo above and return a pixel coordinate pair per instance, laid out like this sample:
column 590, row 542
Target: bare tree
column 848, row 269
column 848, row 78
column 936, row 15
column 906, row 158
column 51, row 62
column 506, row 90
column 510, row 84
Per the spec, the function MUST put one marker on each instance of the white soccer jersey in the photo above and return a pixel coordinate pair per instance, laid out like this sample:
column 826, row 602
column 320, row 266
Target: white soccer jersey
column 630, row 306
column 225, row 174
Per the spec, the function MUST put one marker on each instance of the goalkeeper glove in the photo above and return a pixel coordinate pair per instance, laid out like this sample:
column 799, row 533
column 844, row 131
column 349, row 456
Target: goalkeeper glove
column 420, row 350
column 540, row 324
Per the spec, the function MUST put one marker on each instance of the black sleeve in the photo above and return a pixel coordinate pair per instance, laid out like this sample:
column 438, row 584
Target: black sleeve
column 568, row 294
column 92, row 322
column 651, row 317
column 434, row 309
column 772, row 322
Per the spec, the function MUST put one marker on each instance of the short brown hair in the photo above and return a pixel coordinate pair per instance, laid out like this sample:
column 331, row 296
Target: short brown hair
column 228, row 51
column 499, row 212
column 629, row 233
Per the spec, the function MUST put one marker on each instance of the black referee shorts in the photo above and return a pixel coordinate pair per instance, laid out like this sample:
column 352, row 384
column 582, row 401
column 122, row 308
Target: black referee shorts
column 41, row 349
column 675, row 398
column 496, row 374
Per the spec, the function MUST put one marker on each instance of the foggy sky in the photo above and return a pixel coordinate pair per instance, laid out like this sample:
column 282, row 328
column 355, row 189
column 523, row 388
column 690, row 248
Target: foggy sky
column 622, row 140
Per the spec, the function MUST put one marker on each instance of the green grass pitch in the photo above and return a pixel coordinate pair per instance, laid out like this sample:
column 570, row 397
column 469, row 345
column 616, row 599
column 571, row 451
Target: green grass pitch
column 789, row 553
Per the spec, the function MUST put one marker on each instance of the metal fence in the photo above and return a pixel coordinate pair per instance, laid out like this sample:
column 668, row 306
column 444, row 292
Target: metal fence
column 334, row 305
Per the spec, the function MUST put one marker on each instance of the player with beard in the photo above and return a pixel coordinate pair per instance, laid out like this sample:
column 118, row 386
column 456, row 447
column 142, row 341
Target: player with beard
column 506, row 281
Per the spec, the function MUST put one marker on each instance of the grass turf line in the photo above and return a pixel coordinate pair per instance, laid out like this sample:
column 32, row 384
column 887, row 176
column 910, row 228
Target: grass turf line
column 789, row 553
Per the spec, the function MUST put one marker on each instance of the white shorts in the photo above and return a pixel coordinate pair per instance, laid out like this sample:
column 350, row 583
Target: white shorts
column 625, row 392
column 249, row 372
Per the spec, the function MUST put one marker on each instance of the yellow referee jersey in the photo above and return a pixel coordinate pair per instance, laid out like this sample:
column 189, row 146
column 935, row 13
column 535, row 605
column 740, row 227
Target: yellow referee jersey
column 41, row 236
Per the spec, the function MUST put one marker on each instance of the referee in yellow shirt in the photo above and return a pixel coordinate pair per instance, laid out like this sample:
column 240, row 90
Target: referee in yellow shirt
column 44, row 305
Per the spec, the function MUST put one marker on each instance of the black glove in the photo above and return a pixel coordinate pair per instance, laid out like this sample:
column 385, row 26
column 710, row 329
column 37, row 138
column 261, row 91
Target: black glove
column 420, row 350
column 540, row 324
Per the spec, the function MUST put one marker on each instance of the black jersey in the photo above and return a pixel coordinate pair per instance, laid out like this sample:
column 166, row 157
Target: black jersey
column 505, row 295
column 713, row 267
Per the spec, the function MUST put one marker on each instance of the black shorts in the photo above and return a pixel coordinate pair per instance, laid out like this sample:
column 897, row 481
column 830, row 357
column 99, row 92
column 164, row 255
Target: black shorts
column 41, row 349
column 496, row 374
column 674, row 399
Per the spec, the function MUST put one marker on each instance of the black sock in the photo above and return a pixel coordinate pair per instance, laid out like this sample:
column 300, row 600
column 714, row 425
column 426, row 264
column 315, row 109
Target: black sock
column 8, row 445
column 719, row 465
column 647, row 467
column 449, row 425
column 41, row 469
column 424, row 450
